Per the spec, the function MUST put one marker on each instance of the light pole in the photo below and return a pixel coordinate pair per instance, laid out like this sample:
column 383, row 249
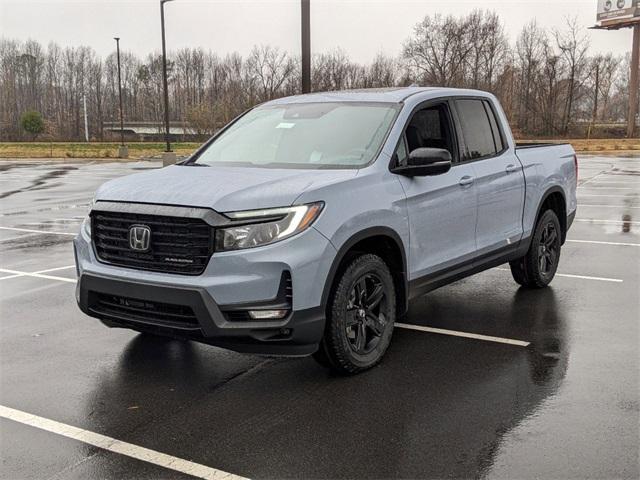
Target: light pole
column 634, row 82
column 86, row 122
column 306, row 45
column 122, row 151
column 164, row 78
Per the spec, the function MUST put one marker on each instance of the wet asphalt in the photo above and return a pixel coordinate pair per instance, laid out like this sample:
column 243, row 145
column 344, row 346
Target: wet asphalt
column 439, row 406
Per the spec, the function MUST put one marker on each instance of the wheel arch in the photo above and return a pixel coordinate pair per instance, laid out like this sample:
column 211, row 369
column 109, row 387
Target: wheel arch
column 554, row 199
column 382, row 241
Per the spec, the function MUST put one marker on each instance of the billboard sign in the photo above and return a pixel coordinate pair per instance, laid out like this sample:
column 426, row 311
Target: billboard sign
column 617, row 10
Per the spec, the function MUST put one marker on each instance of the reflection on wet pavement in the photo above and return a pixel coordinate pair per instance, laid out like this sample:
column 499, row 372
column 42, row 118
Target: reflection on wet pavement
column 41, row 182
column 438, row 406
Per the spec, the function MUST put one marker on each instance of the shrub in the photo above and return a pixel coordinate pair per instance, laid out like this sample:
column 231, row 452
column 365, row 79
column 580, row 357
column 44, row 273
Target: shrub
column 32, row 123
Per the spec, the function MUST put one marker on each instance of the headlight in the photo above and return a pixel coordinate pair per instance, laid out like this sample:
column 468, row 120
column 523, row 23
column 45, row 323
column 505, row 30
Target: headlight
column 86, row 226
column 262, row 227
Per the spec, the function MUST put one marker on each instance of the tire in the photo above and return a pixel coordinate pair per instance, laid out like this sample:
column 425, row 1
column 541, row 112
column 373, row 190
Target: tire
column 538, row 267
column 362, row 311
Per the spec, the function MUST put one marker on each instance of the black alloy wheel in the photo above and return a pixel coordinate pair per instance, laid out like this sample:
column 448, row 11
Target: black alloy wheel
column 360, row 316
column 366, row 319
column 538, row 266
column 548, row 249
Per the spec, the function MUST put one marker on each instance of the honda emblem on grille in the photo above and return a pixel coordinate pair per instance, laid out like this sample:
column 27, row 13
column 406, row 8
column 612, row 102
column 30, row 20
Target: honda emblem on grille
column 139, row 238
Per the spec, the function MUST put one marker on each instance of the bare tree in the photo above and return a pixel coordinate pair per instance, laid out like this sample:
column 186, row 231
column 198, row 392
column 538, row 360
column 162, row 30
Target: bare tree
column 573, row 46
column 546, row 81
column 530, row 48
column 439, row 49
column 383, row 72
column 602, row 75
column 270, row 67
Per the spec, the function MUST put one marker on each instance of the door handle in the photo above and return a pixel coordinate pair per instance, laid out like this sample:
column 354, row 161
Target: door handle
column 511, row 168
column 466, row 180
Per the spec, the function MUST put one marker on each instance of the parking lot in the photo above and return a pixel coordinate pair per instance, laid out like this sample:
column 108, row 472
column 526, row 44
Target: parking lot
column 502, row 382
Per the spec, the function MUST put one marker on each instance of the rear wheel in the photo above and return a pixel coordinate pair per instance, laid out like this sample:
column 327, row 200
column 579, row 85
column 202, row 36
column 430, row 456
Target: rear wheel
column 537, row 268
column 361, row 318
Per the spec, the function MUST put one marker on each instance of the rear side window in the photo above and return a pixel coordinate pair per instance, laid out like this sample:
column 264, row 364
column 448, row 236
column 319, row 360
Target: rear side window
column 476, row 129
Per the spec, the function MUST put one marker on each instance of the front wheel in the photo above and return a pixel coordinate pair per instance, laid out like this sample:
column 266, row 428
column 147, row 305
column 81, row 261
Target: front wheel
column 538, row 267
column 362, row 314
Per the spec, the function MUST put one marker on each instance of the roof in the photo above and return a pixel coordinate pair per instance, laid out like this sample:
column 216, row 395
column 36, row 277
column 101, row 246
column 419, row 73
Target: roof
column 384, row 95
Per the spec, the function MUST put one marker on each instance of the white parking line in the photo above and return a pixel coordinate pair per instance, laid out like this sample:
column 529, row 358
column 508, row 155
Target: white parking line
column 622, row 244
column 598, row 195
column 582, row 277
column 606, row 222
column 116, row 446
column 608, row 188
column 622, row 182
column 455, row 333
column 66, row 267
column 17, row 273
column 580, row 205
column 28, row 230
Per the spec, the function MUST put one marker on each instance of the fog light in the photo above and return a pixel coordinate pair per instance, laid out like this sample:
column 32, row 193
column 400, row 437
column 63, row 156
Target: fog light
column 267, row 314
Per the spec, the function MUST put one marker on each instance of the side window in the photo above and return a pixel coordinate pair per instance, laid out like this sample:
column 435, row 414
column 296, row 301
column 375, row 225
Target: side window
column 430, row 128
column 401, row 153
column 476, row 129
column 497, row 137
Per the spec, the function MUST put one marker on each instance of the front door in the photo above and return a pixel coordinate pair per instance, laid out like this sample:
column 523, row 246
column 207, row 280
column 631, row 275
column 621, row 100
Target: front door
column 441, row 208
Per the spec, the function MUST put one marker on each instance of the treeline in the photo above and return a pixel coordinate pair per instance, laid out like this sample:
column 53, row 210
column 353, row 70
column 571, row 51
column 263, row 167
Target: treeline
column 547, row 80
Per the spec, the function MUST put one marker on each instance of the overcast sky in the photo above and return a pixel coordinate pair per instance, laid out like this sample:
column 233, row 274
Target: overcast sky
column 361, row 28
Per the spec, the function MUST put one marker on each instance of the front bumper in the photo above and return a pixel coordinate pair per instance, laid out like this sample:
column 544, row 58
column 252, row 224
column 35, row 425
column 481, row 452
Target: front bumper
column 232, row 282
column 298, row 334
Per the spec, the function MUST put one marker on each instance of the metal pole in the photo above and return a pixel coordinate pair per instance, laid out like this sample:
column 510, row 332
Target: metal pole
column 306, row 45
column 117, row 39
column 86, row 124
column 164, row 78
column 633, row 82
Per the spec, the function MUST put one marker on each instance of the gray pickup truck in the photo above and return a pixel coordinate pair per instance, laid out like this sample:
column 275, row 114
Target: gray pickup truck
column 308, row 224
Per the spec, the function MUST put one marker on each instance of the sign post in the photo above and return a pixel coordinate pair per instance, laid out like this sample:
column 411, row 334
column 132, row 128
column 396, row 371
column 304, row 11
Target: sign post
column 634, row 84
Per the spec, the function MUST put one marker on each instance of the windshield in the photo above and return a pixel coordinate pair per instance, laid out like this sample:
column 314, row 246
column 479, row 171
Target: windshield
column 309, row 135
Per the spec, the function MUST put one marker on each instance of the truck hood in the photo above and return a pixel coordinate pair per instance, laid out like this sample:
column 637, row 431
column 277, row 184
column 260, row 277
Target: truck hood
column 223, row 189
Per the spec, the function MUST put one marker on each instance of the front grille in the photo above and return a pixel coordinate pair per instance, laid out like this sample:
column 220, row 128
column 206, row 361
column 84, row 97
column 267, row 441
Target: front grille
column 178, row 245
column 142, row 311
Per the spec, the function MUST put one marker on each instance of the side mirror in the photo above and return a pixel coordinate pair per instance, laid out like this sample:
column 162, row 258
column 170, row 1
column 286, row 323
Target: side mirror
column 425, row 161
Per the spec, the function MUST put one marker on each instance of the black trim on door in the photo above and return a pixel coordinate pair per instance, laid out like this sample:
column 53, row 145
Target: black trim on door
column 422, row 285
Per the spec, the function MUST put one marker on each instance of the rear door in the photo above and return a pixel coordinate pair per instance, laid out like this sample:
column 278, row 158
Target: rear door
column 499, row 176
column 441, row 208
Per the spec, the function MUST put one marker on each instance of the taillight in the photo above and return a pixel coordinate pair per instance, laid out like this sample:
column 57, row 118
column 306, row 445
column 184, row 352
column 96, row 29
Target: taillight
column 575, row 164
